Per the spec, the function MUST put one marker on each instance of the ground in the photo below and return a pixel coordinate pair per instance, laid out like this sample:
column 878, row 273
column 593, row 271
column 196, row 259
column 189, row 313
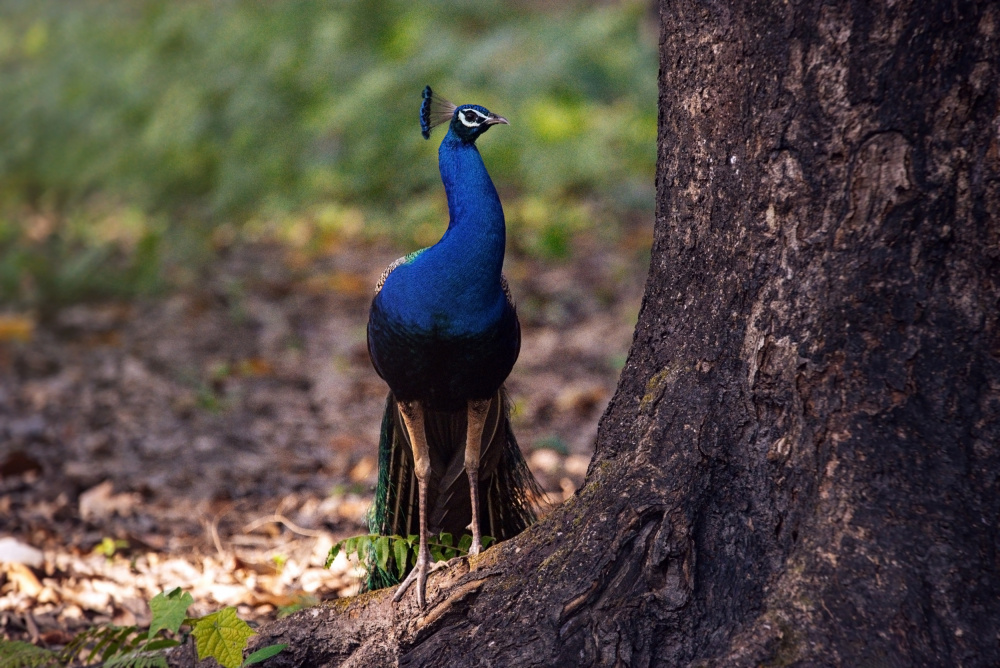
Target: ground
column 220, row 438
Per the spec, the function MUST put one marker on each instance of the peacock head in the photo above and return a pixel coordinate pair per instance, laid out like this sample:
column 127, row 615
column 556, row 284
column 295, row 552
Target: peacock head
column 468, row 121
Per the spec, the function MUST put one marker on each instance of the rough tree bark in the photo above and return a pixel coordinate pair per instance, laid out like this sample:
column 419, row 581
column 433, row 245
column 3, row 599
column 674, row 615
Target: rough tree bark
column 800, row 464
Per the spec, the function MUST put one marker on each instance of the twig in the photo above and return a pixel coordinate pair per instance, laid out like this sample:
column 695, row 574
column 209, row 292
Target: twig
column 213, row 530
column 281, row 519
column 29, row 621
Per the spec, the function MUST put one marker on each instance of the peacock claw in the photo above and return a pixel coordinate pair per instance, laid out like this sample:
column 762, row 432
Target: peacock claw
column 418, row 575
column 414, row 575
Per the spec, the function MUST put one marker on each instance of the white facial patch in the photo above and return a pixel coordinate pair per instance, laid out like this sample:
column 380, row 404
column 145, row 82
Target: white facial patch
column 471, row 118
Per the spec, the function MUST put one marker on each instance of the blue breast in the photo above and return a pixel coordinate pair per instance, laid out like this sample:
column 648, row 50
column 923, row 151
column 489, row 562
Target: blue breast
column 441, row 328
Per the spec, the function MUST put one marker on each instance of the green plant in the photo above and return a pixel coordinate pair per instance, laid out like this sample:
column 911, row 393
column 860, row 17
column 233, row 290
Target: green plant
column 221, row 635
column 279, row 561
column 138, row 137
column 17, row 654
column 400, row 553
column 109, row 546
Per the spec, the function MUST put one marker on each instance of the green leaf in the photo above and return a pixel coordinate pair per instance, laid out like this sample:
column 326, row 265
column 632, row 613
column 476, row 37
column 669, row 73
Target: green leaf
column 111, row 641
column 102, row 637
column 119, row 644
column 446, row 538
column 413, row 539
column 75, row 646
column 137, row 660
column 401, row 550
column 365, row 547
column 169, row 610
column 486, row 541
column 264, row 653
column 382, row 552
column 223, row 636
column 160, row 643
column 465, row 543
column 436, row 553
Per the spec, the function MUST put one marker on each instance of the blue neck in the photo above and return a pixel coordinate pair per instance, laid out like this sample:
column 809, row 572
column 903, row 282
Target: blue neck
column 454, row 285
column 466, row 263
column 476, row 227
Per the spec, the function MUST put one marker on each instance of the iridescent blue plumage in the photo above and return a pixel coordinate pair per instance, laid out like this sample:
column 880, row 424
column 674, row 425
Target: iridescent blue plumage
column 444, row 335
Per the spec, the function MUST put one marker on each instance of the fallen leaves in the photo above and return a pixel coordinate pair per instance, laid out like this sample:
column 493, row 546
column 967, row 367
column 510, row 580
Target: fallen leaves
column 581, row 400
column 19, row 463
column 348, row 284
column 16, row 327
column 101, row 502
column 13, row 551
column 21, row 580
column 553, row 469
column 73, row 589
column 171, row 434
column 364, row 470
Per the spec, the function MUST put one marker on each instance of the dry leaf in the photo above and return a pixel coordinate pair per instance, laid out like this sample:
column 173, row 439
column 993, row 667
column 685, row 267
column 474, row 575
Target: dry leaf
column 580, row 399
column 341, row 282
column 363, row 469
column 546, row 460
column 18, row 463
column 15, row 327
column 23, row 579
column 99, row 502
column 15, row 552
column 576, row 465
column 254, row 367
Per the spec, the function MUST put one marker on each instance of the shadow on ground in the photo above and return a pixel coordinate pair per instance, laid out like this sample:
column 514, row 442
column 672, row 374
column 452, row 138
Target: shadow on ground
column 221, row 439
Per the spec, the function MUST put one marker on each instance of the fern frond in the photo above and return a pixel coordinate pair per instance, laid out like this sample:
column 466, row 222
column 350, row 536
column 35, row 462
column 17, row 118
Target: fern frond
column 103, row 642
column 138, row 660
column 18, row 654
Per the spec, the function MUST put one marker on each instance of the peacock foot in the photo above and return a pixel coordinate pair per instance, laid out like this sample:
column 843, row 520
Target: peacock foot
column 418, row 575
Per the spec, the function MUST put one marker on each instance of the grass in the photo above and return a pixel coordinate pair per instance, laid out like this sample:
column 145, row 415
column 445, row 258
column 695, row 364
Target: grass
column 135, row 136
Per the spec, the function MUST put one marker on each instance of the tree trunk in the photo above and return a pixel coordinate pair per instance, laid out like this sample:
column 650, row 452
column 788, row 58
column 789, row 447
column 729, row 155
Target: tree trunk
column 800, row 464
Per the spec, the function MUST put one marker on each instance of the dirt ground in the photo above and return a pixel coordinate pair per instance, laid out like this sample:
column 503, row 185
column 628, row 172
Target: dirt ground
column 222, row 438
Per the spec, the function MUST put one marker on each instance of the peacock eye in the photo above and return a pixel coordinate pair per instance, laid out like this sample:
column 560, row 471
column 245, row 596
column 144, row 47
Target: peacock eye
column 471, row 116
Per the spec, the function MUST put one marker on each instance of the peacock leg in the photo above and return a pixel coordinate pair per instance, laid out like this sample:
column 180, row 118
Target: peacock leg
column 478, row 410
column 413, row 418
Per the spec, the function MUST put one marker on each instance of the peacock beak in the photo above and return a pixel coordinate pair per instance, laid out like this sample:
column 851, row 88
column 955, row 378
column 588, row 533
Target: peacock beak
column 493, row 119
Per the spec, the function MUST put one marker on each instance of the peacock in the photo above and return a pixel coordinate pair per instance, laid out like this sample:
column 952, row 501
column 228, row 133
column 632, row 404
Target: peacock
column 444, row 335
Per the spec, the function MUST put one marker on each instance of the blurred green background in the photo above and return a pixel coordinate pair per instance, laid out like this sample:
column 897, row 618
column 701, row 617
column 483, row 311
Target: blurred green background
column 138, row 137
